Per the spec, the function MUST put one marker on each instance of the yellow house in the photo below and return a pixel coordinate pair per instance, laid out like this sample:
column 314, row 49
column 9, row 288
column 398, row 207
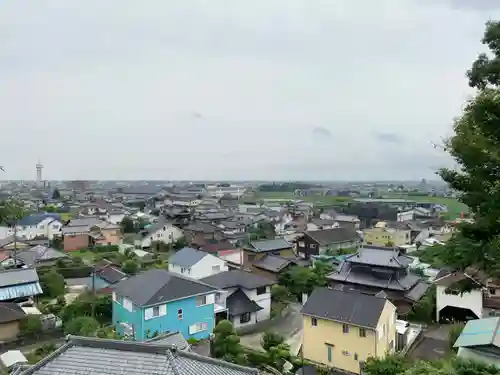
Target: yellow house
column 383, row 234
column 343, row 329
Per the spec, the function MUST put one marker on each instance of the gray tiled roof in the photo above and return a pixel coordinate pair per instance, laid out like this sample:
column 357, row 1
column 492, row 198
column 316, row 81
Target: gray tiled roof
column 237, row 278
column 238, row 303
column 376, row 257
column 39, row 253
column 18, row 276
column 271, row 245
column 347, row 307
column 272, row 263
column 187, row 257
column 333, row 236
column 175, row 339
column 160, row 286
column 89, row 356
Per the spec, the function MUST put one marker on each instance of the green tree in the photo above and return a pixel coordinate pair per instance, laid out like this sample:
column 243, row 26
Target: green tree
column 128, row 225
column 53, row 284
column 270, row 339
column 130, row 266
column 454, row 332
column 11, row 211
column 298, row 280
column 475, row 146
column 56, row 194
column 226, row 343
column 391, row 365
column 31, row 326
column 82, row 326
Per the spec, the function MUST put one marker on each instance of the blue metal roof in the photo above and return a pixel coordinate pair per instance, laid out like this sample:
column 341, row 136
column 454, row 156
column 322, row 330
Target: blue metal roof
column 20, row 291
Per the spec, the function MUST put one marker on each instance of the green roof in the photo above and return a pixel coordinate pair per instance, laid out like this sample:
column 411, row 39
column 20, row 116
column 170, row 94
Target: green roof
column 480, row 332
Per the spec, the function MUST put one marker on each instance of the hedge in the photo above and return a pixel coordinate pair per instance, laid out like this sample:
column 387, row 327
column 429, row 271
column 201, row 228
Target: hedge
column 75, row 272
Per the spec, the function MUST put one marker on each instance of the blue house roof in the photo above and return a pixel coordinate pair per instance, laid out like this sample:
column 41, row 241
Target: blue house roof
column 35, row 219
column 480, row 332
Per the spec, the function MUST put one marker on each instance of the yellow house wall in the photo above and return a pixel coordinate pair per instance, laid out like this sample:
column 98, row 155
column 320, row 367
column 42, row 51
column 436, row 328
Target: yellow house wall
column 346, row 345
column 380, row 237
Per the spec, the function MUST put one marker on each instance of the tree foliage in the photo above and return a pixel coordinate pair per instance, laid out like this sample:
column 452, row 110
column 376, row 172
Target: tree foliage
column 11, row 211
column 270, row 339
column 475, row 146
column 82, row 326
column 56, row 194
column 31, row 326
column 53, row 284
column 226, row 343
column 85, row 304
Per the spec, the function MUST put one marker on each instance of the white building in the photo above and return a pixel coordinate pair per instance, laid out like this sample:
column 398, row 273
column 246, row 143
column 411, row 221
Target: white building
column 195, row 263
column 247, row 296
column 35, row 225
column 158, row 232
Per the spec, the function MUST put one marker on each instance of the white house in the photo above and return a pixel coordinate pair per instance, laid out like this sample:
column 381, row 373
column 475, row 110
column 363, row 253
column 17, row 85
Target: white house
column 158, row 232
column 195, row 263
column 447, row 297
column 247, row 296
column 35, row 225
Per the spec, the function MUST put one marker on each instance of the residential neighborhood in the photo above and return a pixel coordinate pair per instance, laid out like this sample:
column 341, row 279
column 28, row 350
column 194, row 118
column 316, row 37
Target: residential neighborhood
column 167, row 265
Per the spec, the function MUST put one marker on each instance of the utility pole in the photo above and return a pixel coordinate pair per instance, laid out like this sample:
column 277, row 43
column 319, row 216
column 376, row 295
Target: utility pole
column 93, row 291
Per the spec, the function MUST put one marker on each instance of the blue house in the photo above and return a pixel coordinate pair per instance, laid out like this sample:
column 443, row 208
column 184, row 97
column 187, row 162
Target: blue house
column 157, row 301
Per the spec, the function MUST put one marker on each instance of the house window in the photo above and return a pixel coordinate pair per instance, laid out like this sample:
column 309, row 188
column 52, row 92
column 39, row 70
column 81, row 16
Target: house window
column 251, row 257
column 355, row 356
column 201, row 300
column 245, row 318
column 189, row 271
column 198, row 327
column 179, row 314
column 314, row 322
column 492, row 291
column 346, row 353
column 215, row 269
column 313, row 246
column 362, row 332
column 156, row 311
column 261, row 290
column 301, row 244
column 183, row 270
column 345, row 328
column 127, row 304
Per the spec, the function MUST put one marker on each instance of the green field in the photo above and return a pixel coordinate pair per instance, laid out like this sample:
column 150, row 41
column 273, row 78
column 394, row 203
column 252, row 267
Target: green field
column 455, row 208
column 261, row 195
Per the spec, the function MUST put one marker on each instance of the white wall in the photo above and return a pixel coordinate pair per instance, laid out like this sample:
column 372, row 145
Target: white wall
column 203, row 268
column 472, row 300
column 47, row 228
column 168, row 235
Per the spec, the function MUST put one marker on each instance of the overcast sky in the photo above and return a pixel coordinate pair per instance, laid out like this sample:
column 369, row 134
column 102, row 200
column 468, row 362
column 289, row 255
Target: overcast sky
column 233, row 89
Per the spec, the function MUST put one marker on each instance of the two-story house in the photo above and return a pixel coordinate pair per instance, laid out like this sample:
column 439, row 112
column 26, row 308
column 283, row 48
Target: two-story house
column 158, row 232
column 388, row 234
column 247, row 298
column 319, row 242
column 35, row 225
column 199, row 232
column 383, row 271
column 195, row 263
column 343, row 329
column 158, row 301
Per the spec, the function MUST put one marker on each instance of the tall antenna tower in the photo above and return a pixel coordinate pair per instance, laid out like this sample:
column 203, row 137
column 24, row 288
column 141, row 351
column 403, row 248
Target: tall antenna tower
column 39, row 168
